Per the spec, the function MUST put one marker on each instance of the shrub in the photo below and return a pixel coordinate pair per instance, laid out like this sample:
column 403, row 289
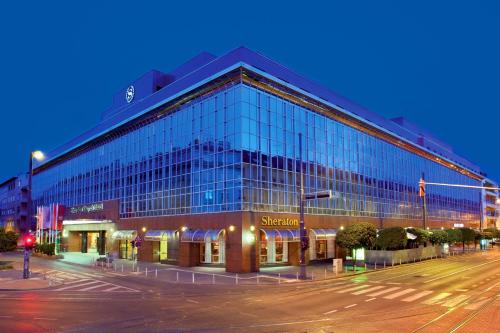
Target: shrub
column 8, row 240
column 391, row 239
column 357, row 236
column 48, row 249
column 438, row 237
column 454, row 235
column 422, row 236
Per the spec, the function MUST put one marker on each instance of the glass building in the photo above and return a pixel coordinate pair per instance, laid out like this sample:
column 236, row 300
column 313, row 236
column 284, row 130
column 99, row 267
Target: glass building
column 203, row 166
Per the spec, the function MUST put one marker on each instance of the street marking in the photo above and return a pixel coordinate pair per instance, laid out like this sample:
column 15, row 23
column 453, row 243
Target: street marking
column 94, row 287
column 476, row 305
column 454, row 301
column 417, row 296
column 393, row 282
column 117, row 274
column 192, row 301
column 78, row 285
column 400, row 293
column 371, row 299
column 330, row 312
column 77, row 281
column 463, row 270
column 384, row 291
column 43, row 318
column 353, row 288
column 349, row 306
column 436, row 299
column 112, row 289
column 368, row 290
column 462, row 290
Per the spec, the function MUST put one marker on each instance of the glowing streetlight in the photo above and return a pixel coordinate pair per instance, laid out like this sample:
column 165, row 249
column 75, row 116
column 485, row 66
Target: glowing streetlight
column 38, row 155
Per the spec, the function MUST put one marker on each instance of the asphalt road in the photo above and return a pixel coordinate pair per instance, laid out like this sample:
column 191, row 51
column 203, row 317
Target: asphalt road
column 456, row 294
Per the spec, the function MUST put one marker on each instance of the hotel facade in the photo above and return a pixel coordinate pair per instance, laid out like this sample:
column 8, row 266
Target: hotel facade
column 202, row 164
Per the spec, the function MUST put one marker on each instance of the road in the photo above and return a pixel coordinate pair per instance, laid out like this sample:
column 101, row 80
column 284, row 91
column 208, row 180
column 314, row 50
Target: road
column 455, row 294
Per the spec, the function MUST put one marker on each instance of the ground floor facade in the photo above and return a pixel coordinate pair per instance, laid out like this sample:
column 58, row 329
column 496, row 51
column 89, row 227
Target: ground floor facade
column 239, row 241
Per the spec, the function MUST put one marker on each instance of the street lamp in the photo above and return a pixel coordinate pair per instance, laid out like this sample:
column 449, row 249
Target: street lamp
column 39, row 156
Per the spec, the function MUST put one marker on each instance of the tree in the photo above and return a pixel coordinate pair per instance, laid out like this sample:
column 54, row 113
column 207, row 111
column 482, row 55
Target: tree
column 8, row 240
column 467, row 235
column 422, row 236
column 357, row 236
column 495, row 233
column 438, row 237
column 391, row 239
column 454, row 235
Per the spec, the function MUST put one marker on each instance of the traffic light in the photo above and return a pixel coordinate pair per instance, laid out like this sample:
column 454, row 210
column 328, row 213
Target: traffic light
column 29, row 242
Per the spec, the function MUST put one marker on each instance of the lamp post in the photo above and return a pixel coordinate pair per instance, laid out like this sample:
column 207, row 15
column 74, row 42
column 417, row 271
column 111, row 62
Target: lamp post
column 304, row 240
column 28, row 241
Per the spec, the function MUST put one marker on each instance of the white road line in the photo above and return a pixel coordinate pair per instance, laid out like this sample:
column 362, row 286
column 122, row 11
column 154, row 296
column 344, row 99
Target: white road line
column 361, row 292
column 384, row 291
column 77, row 286
column 330, row 312
column 417, row 296
column 462, row 290
column 349, row 306
column 370, row 299
column 436, row 298
column 43, row 318
column 353, row 288
column 475, row 306
column 192, row 301
column 95, row 287
column 112, row 289
column 77, row 281
column 117, row 274
column 454, row 301
column 463, row 270
column 399, row 293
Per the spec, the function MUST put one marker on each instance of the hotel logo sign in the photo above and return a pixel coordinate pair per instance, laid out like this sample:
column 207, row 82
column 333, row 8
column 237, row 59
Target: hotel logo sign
column 87, row 208
column 268, row 221
column 129, row 94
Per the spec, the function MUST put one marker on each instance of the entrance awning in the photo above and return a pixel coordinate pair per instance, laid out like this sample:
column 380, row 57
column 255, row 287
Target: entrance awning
column 201, row 236
column 323, row 233
column 286, row 235
column 123, row 234
column 157, row 235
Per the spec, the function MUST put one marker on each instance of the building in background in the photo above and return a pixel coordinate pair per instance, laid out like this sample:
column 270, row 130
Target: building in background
column 14, row 204
column 202, row 165
column 490, row 205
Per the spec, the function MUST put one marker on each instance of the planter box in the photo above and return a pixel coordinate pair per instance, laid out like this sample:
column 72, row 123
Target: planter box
column 42, row 255
column 408, row 255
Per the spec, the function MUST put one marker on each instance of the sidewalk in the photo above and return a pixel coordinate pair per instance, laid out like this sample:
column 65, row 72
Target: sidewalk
column 13, row 280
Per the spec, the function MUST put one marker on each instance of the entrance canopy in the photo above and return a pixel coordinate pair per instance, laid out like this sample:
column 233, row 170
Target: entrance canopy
column 123, row 234
column 201, row 236
column 158, row 235
column 323, row 233
column 286, row 235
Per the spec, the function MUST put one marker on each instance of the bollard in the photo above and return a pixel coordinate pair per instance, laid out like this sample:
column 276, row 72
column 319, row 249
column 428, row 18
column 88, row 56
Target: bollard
column 279, row 278
column 384, row 263
column 122, row 268
column 156, row 272
column 325, row 273
column 414, row 259
column 375, row 265
column 236, row 278
column 392, row 262
column 297, row 276
column 146, row 272
column 213, row 278
column 257, row 278
column 177, row 280
column 365, row 266
column 400, row 261
column 312, row 275
column 193, row 276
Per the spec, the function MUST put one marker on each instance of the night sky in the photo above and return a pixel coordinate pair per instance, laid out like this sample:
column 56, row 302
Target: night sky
column 436, row 63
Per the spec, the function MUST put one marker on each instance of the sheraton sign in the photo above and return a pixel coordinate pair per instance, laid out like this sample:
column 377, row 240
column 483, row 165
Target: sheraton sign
column 97, row 207
column 268, row 221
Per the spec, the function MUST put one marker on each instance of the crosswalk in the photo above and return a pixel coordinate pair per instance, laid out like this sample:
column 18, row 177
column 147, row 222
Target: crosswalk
column 398, row 293
column 84, row 282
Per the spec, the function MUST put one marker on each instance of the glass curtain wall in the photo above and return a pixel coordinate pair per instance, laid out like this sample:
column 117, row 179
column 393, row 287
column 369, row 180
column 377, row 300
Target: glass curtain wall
column 237, row 149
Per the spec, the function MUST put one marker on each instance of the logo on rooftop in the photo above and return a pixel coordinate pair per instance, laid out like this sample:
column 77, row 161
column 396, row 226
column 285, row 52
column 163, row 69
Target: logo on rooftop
column 129, row 95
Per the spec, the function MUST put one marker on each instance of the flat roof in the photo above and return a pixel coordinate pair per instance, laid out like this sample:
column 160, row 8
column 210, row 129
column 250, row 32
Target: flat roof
column 205, row 67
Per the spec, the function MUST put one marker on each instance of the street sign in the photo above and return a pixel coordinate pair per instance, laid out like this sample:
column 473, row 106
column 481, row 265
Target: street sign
column 137, row 241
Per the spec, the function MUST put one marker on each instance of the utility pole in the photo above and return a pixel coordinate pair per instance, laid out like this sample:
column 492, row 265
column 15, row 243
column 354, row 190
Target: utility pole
column 304, row 241
column 421, row 193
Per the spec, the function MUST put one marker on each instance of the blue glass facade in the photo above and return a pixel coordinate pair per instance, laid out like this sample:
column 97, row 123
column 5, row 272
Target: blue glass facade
column 236, row 149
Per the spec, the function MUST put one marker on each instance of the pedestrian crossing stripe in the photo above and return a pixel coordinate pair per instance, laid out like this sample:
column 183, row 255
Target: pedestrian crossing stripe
column 455, row 301
column 352, row 289
column 400, row 293
column 417, row 296
column 364, row 291
column 436, row 298
column 386, row 291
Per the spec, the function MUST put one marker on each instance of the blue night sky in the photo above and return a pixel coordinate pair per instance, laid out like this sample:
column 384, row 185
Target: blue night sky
column 434, row 62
